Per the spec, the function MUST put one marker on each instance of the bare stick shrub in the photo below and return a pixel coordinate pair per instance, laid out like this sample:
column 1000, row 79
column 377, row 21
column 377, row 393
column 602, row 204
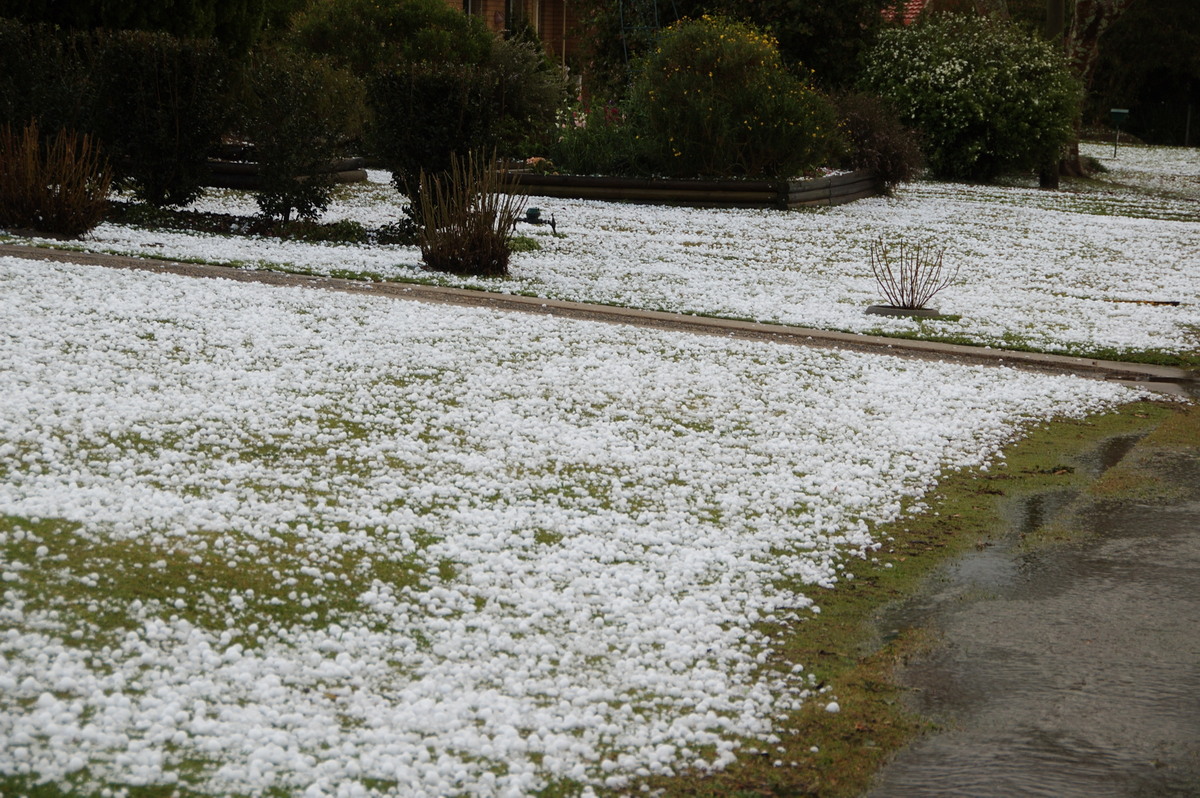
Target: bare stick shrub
column 909, row 274
column 467, row 219
column 58, row 186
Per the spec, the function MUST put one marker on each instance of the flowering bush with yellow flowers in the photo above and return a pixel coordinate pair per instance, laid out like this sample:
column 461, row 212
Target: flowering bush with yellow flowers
column 714, row 99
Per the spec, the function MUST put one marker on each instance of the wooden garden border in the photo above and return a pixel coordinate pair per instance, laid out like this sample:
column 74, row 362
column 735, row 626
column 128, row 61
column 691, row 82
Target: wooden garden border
column 244, row 174
column 824, row 191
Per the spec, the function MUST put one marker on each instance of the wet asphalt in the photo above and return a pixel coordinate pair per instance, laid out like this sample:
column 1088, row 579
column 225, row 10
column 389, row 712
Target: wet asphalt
column 1069, row 670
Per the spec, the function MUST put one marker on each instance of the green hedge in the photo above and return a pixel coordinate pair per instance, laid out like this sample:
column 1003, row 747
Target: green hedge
column 300, row 115
column 162, row 109
column 43, row 77
column 426, row 111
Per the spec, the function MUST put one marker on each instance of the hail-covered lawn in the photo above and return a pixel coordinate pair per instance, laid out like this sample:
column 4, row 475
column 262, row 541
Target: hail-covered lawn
column 273, row 539
column 1093, row 269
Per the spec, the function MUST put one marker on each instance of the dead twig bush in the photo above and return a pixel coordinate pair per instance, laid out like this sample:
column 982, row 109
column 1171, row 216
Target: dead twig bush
column 467, row 218
column 58, row 186
column 909, row 274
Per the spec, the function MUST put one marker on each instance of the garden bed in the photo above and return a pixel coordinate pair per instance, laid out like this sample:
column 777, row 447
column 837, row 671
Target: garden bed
column 824, row 191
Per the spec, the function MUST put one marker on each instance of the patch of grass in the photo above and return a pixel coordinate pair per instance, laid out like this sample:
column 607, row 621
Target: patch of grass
column 1011, row 342
column 1168, row 445
column 524, row 244
column 843, row 650
column 206, row 579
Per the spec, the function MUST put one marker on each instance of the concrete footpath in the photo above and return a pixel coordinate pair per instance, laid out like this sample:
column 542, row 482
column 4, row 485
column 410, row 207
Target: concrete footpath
column 1166, row 379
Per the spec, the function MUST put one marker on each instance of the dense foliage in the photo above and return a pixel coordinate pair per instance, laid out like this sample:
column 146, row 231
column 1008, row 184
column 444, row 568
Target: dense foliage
column 986, row 96
column 155, row 104
column 42, row 76
column 368, row 35
column 877, row 140
column 827, row 37
column 162, row 109
column 301, row 115
column 235, row 23
column 1153, row 69
column 426, row 111
column 600, row 141
column 715, row 99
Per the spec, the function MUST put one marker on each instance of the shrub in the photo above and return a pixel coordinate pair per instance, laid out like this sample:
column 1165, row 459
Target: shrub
column 910, row 276
column 236, row 23
column 43, row 77
column 467, row 223
column 58, row 187
column 424, row 112
column 300, row 116
column 877, row 140
column 366, row 35
column 531, row 93
column 986, row 96
column 160, row 110
column 599, row 142
column 716, row 100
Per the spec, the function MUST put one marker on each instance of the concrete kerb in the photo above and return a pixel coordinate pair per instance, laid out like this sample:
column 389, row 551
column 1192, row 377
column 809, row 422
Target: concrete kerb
column 1165, row 379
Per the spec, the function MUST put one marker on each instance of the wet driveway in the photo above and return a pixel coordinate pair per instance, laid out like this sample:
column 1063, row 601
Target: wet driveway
column 1069, row 671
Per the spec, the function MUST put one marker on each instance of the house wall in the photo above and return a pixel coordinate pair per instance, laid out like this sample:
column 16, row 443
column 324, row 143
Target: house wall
column 554, row 21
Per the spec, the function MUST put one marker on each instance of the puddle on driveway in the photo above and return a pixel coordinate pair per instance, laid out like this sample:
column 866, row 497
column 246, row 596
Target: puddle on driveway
column 1071, row 671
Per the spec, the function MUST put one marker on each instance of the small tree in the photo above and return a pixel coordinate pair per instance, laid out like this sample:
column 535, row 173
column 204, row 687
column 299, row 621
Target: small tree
column 986, row 96
column 426, row 111
column 299, row 114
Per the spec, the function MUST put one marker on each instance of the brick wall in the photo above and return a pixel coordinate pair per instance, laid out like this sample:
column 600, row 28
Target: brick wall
column 554, row 20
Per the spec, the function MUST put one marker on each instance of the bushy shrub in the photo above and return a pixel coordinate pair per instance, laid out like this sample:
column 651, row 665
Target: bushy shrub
column 236, row 23
column 531, row 94
column 877, row 140
column 716, row 100
column 365, row 35
column 300, row 116
column 59, row 186
column 426, row 111
column 161, row 108
column 986, row 96
column 603, row 141
column 467, row 222
column 43, row 77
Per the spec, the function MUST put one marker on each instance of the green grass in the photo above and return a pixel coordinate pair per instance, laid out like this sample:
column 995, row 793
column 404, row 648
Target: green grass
column 842, row 648
column 91, row 583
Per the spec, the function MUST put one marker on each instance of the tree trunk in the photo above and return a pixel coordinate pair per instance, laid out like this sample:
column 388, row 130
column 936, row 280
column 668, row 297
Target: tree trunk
column 1091, row 19
column 1088, row 23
